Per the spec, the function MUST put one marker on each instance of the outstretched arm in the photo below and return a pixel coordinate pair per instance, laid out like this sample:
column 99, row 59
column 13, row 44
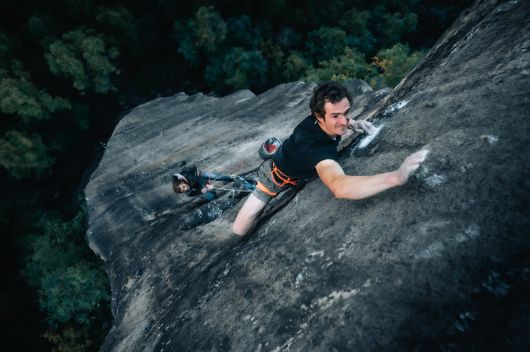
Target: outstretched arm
column 360, row 187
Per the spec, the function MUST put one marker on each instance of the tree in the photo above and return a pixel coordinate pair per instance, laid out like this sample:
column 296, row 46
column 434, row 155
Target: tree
column 5, row 49
column 356, row 24
column 201, row 34
column 23, row 154
column 392, row 27
column 325, row 43
column 20, row 97
column 274, row 56
column 396, row 62
column 82, row 56
column 295, row 67
column 71, row 289
column 121, row 28
column 287, row 38
column 241, row 33
column 237, row 69
column 351, row 64
column 209, row 29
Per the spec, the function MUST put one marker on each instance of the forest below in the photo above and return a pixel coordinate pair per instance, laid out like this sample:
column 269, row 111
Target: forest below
column 69, row 69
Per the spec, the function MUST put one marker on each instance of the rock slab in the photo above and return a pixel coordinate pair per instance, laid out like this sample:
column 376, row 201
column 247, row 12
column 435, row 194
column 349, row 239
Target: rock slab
column 399, row 271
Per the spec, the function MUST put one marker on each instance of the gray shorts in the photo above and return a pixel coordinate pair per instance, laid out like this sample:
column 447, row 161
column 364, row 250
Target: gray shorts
column 266, row 189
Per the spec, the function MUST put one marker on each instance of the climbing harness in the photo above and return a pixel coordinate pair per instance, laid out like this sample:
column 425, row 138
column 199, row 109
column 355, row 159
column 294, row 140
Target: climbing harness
column 280, row 178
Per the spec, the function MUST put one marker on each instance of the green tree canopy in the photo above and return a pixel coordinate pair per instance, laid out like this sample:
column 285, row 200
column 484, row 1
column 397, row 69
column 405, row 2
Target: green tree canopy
column 325, row 43
column 392, row 27
column 396, row 62
column 202, row 33
column 23, row 155
column 274, row 56
column 83, row 56
column 356, row 24
column 237, row 69
column 351, row 64
column 295, row 66
column 70, row 288
column 240, row 32
column 121, row 28
column 209, row 29
column 20, row 97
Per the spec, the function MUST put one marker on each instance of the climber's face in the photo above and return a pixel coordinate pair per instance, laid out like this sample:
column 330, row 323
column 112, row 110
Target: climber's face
column 183, row 187
column 335, row 120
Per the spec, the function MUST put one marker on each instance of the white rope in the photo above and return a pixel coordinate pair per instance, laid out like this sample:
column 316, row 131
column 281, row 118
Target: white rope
column 232, row 189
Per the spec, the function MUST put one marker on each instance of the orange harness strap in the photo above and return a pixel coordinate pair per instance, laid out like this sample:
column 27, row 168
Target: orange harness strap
column 265, row 190
column 286, row 180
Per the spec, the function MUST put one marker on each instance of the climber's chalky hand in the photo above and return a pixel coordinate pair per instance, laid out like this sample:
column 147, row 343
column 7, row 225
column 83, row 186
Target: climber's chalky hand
column 362, row 126
column 411, row 163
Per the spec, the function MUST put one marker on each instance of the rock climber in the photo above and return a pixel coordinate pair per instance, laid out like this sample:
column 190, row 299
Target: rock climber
column 195, row 182
column 312, row 149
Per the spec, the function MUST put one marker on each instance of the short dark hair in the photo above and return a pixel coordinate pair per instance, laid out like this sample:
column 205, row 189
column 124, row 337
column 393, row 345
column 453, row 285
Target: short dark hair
column 324, row 92
column 176, row 184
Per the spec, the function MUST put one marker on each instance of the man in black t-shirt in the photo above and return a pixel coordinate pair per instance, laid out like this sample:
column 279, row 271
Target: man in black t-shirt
column 312, row 149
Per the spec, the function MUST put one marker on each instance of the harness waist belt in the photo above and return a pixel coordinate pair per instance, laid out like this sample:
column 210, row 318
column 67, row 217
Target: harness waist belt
column 280, row 178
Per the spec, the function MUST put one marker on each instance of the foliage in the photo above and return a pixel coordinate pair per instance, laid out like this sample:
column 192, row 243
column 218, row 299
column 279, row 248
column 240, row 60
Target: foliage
column 23, row 155
column 237, row 69
column 70, row 287
column 186, row 46
column 19, row 96
column 351, row 64
column 396, row 62
column 73, row 292
column 325, row 43
column 5, row 49
column 121, row 29
column 240, row 32
column 69, row 339
column 295, row 66
column 117, row 20
column 209, row 29
column 287, row 38
column 203, row 33
column 392, row 27
column 274, row 56
column 356, row 25
column 82, row 56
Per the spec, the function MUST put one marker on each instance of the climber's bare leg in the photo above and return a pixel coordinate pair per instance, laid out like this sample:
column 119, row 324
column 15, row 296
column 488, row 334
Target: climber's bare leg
column 247, row 215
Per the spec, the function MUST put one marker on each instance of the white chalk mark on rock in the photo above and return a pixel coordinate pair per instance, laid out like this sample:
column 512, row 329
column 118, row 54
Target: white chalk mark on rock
column 395, row 107
column 434, row 250
column 316, row 253
column 472, row 231
column 491, row 139
column 299, row 279
column 369, row 138
column 335, row 296
column 227, row 269
column 435, row 180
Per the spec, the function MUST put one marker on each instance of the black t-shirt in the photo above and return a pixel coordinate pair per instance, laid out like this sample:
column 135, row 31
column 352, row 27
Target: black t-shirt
column 304, row 149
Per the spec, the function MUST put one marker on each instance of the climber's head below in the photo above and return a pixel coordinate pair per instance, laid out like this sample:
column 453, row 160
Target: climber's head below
column 180, row 184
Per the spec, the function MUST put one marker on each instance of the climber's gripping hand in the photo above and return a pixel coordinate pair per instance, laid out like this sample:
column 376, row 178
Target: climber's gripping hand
column 411, row 163
column 362, row 126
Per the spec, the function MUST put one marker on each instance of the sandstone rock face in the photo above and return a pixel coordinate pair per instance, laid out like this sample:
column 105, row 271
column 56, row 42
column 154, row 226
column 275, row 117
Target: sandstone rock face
column 409, row 269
